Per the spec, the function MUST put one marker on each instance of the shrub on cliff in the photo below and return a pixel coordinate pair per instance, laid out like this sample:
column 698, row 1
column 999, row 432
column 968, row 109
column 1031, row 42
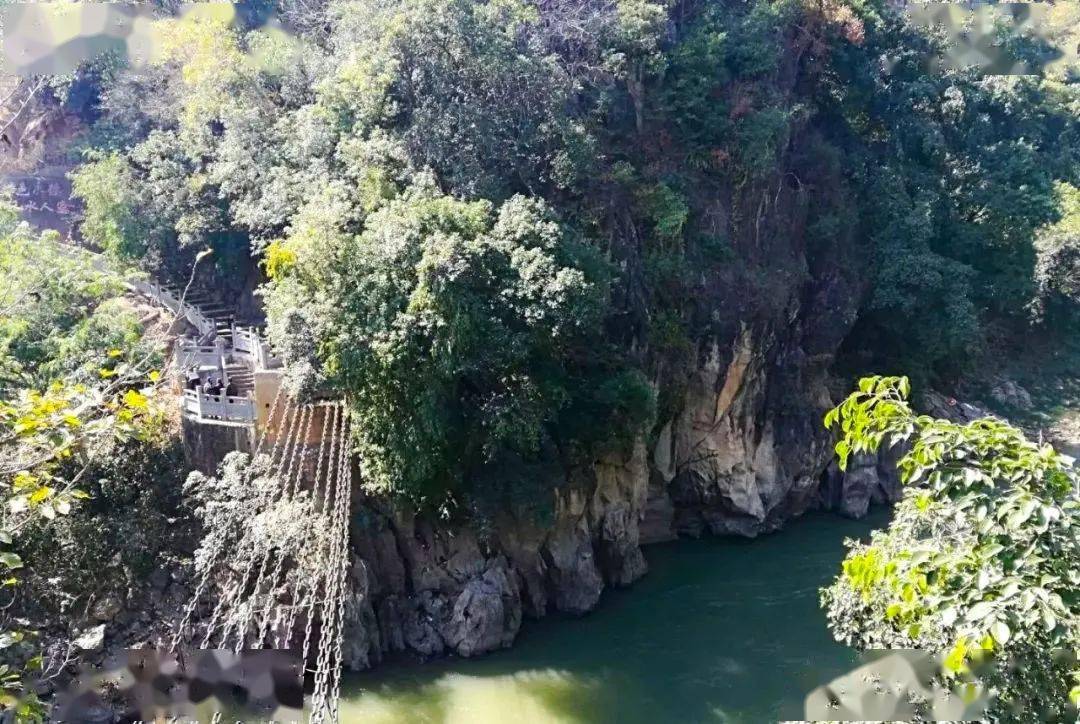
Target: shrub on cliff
column 981, row 561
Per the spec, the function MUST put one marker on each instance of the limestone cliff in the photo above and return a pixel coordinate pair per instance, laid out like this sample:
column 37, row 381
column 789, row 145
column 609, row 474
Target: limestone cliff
column 429, row 589
column 738, row 448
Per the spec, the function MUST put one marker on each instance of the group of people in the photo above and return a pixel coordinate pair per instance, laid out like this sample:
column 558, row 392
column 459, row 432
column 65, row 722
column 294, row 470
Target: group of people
column 214, row 386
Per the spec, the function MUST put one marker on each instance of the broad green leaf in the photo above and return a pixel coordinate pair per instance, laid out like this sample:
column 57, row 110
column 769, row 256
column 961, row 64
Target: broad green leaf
column 1000, row 631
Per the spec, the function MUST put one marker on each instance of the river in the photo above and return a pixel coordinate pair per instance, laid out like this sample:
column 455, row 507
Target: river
column 720, row 630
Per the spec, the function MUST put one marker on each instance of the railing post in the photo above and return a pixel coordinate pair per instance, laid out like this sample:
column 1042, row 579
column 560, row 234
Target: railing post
column 257, row 351
column 219, row 354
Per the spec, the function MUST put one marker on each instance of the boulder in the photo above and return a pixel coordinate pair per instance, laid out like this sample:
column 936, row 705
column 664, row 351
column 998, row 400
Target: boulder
column 869, row 479
column 421, row 625
column 361, row 647
column 573, row 576
column 1011, row 394
column 106, row 608
column 90, row 639
column 486, row 615
column 621, row 559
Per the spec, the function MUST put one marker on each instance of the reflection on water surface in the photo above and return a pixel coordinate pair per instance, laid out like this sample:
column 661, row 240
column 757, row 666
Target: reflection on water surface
column 720, row 630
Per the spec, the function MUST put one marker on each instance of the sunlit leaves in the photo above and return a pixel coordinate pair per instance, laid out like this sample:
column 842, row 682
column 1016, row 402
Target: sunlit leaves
column 982, row 557
column 211, row 63
column 278, row 259
column 135, row 400
column 461, row 331
column 76, row 336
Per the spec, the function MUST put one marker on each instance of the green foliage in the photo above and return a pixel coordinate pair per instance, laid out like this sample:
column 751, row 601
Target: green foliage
column 668, row 212
column 981, row 560
column 76, row 399
column 481, row 104
column 696, row 80
column 921, row 309
column 759, row 136
column 955, row 174
column 1058, row 261
column 719, row 95
column 123, row 531
column 364, row 162
column 59, row 316
column 942, row 177
column 111, row 217
column 461, row 334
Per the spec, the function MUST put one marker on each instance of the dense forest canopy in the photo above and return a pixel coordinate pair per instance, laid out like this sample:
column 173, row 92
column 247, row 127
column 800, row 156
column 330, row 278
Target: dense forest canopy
column 496, row 225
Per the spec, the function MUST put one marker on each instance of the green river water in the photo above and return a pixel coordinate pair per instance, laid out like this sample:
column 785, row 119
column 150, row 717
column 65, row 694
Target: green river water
column 720, row 630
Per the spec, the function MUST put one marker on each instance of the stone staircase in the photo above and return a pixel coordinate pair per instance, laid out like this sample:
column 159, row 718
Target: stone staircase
column 211, row 306
column 216, row 325
column 241, row 376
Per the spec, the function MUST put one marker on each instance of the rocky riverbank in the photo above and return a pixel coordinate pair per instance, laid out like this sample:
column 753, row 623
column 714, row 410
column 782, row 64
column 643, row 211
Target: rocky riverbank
column 428, row 589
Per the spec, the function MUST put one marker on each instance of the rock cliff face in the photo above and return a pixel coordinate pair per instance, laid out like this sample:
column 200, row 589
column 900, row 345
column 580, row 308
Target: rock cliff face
column 717, row 467
column 205, row 446
column 739, row 450
column 432, row 590
column 727, row 467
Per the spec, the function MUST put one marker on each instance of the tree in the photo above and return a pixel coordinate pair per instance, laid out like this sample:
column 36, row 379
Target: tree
column 77, row 390
column 981, row 560
column 460, row 333
column 1058, row 266
column 954, row 173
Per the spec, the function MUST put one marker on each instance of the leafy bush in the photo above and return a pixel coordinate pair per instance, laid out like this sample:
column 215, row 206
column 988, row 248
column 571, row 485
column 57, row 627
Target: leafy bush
column 981, row 560
column 111, row 218
column 127, row 528
column 59, row 316
column 1057, row 269
column 75, row 419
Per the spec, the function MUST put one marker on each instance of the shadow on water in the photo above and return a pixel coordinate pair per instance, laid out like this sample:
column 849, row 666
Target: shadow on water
column 720, row 630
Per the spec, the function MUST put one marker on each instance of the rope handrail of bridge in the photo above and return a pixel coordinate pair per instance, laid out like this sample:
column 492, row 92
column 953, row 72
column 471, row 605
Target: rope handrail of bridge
column 283, row 555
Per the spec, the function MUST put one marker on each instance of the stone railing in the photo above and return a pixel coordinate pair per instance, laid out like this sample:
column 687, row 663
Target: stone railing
column 218, row 408
column 247, row 341
column 165, row 298
column 190, row 354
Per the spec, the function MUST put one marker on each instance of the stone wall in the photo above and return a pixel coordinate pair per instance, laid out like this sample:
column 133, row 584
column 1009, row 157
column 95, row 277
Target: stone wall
column 205, row 446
